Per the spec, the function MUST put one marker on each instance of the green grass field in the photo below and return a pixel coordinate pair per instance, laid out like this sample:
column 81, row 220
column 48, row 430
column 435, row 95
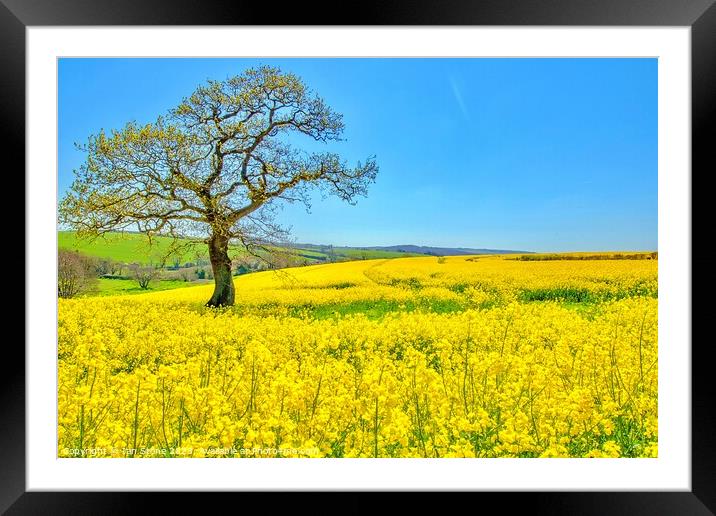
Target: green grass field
column 134, row 248
column 311, row 254
column 127, row 247
column 369, row 254
column 120, row 287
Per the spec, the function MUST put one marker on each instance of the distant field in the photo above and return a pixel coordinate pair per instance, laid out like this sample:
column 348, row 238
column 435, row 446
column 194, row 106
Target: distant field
column 127, row 248
column 134, row 248
column 120, row 287
column 588, row 256
column 311, row 254
column 368, row 254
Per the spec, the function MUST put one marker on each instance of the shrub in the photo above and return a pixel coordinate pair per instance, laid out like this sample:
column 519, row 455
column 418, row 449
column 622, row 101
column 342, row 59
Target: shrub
column 76, row 274
column 144, row 274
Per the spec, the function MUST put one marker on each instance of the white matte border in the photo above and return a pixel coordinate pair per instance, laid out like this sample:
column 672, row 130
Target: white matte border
column 671, row 471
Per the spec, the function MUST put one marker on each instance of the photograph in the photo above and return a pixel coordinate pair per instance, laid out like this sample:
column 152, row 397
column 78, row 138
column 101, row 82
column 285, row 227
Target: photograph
column 333, row 257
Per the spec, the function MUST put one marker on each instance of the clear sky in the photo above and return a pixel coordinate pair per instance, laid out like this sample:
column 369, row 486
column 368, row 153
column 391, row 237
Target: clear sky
column 526, row 154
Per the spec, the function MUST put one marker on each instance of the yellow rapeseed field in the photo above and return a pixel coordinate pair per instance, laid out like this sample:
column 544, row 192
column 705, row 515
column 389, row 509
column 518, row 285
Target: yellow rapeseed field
column 411, row 357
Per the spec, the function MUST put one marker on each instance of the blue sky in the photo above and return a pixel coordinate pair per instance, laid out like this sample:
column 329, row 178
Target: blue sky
column 527, row 154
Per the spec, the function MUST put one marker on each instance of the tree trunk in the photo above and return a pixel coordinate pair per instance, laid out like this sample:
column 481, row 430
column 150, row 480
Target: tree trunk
column 221, row 265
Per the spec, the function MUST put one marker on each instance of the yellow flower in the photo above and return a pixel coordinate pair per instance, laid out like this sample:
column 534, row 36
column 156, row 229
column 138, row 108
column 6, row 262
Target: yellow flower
column 463, row 358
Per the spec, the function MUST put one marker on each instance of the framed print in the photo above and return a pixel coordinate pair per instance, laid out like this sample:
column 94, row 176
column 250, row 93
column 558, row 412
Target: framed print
column 420, row 253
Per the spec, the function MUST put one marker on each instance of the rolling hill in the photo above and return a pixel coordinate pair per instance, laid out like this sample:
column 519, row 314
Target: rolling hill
column 134, row 248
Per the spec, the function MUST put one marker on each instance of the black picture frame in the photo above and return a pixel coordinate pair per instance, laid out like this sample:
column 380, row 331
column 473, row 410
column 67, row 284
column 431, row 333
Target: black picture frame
column 700, row 15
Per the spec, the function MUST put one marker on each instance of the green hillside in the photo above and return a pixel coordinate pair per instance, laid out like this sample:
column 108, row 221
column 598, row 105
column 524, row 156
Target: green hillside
column 134, row 248
column 371, row 254
column 118, row 286
column 128, row 247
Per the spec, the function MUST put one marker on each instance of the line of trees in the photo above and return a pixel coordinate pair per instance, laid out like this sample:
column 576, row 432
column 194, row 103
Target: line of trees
column 603, row 256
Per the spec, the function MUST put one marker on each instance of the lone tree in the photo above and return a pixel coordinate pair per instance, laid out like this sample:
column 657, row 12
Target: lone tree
column 213, row 167
column 144, row 274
